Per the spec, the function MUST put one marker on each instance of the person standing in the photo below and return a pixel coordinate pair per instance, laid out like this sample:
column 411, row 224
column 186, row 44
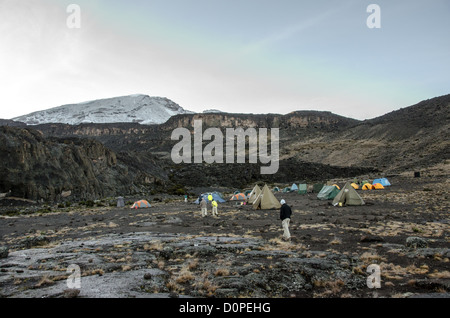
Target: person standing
column 214, row 208
column 203, row 206
column 285, row 216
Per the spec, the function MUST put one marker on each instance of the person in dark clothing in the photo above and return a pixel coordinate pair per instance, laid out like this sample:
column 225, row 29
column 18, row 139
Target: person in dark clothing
column 285, row 216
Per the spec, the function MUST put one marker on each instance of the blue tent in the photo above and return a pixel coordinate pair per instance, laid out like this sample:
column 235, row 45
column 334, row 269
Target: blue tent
column 384, row 182
column 294, row 187
column 216, row 197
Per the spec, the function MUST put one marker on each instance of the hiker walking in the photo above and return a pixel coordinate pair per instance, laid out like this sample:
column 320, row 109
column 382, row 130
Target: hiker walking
column 214, row 208
column 285, row 216
column 203, row 206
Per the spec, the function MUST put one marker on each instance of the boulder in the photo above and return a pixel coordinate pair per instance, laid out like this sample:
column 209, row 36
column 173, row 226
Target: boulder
column 416, row 242
column 4, row 252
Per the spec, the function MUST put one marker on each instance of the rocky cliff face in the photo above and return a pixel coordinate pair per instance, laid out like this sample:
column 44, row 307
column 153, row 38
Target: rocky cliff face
column 35, row 167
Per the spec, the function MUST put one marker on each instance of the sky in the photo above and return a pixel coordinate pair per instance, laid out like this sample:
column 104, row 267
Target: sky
column 238, row 56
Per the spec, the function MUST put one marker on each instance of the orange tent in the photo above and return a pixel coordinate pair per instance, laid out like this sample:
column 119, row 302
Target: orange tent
column 238, row 197
column 377, row 186
column 141, row 204
column 367, row 186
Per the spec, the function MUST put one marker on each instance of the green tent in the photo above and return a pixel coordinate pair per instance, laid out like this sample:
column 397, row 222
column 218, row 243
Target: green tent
column 348, row 196
column 302, row 189
column 317, row 187
column 287, row 189
column 328, row 193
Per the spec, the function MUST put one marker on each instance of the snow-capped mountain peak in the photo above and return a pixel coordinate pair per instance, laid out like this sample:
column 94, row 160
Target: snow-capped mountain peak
column 137, row 108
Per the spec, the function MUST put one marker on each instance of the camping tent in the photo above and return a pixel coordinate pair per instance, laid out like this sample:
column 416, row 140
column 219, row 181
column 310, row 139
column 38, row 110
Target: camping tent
column 355, row 186
column 287, row 189
column 141, row 204
column 328, row 193
column 254, row 194
column 348, row 196
column 377, row 186
column 238, row 197
column 276, row 189
column 216, row 197
column 317, row 187
column 302, row 189
column 266, row 200
column 383, row 181
column 294, row 187
column 367, row 186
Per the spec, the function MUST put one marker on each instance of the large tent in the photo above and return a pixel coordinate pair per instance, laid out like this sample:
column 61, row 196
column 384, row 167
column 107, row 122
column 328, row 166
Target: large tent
column 254, row 194
column 328, row 192
column 216, row 197
column 348, row 196
column 266, row 200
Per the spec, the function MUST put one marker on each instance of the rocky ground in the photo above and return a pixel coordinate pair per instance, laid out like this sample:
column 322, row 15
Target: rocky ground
column 169, row 250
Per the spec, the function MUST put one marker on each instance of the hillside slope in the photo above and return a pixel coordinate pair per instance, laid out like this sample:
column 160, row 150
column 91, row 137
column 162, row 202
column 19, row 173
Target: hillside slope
column 411, row 138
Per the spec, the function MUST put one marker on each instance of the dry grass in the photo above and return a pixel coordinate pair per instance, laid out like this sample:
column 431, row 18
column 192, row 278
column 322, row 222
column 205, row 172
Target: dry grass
column 45, row 281
column 222, row 272
column 336, row 241
column 184, row 276
column 331, row 287
column 440, row 275
column 368, row 257
column 154, row 246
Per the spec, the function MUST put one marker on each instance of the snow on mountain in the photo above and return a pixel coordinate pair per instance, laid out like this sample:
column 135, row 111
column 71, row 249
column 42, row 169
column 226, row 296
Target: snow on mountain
column 141, row 109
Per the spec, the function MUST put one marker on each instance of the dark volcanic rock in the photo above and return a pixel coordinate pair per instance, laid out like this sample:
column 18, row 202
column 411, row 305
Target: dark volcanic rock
column 35, row 167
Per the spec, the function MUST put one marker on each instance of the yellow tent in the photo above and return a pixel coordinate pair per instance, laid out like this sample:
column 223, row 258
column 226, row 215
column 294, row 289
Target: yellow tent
column 355, row 186
column 377, row 186
column 367, row 186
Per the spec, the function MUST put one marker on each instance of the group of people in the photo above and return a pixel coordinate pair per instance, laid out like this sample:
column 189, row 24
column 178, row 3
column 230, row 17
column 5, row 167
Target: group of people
column 204, row 206
column 285, row 213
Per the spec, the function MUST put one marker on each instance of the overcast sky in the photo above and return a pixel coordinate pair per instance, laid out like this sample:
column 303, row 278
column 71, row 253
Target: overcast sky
column 246, row 56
